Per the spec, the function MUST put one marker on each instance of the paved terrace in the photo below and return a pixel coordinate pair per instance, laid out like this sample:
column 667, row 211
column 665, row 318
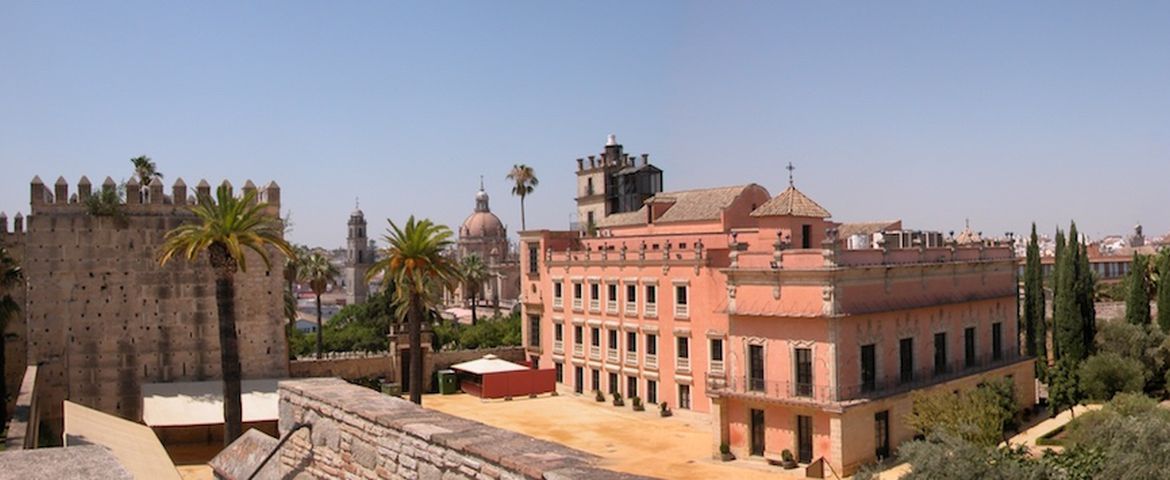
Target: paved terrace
column 640, row 443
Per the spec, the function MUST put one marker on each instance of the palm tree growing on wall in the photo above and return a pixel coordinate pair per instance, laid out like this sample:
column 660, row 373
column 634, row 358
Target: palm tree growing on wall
column 319, row 274
column 414, row 260
column 145, row 170
column 10, row 279
column 226, row 228
column 474, row 272
column 525, row 181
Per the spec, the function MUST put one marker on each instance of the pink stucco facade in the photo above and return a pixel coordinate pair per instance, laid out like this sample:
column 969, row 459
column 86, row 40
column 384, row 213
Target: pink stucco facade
column 787, row 342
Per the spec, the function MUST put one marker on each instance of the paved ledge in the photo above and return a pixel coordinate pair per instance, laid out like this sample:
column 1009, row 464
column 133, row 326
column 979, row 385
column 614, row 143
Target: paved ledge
column 355, row 431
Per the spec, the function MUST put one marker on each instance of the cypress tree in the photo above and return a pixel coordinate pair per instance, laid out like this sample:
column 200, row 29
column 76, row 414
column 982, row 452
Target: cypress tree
column 1066, row 313
column 1086, row 291
column 1137, row 301
column 1035, row 325
column 1164, row 291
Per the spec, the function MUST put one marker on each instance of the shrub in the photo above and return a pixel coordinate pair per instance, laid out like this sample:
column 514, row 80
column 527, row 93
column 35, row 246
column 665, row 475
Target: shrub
column 1104, row 375
column 977, row 415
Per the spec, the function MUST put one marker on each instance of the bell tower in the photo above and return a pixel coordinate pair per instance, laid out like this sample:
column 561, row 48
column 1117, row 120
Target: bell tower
column 359, row 257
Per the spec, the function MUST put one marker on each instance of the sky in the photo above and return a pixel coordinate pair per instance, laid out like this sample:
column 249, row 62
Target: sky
column 932, row 112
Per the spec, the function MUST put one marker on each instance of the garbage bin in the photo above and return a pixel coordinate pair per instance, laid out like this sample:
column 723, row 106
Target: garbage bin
column 448, row 382
column 392, row 388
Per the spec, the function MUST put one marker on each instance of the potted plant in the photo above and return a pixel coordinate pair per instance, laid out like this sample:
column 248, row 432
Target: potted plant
column 637, row 401
column 664, row 410
column 597, row 395
column 617, row 400
column 787, row 460
column 725, row 452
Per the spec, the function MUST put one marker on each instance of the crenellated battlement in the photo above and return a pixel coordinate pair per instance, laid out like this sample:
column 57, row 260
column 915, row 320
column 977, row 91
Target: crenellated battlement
column 136, row 198
column 17, row 232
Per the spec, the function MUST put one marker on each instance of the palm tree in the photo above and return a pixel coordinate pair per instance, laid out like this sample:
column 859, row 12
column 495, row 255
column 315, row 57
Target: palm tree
column 474, row 272
column 292, row 268
column 414, row 260
column 145, row 169
column 526, row 182
column 10, row 278
column 319, row 274
column 226, row 228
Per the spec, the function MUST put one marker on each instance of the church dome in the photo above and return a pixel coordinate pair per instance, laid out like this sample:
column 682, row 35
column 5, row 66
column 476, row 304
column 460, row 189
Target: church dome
column 482, row 224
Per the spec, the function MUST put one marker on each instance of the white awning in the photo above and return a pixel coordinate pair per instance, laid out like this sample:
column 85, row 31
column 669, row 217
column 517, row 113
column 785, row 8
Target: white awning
column 201, row 403
column 488, row 364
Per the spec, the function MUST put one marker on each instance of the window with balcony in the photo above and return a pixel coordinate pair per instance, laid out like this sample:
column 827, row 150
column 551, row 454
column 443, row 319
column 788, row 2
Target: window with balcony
column 804, row 376
column 594, row 343
column 578, row 292
column 533, row 259
column 997, row 341
column 558, row 337
column 612, row 353
column 631, row 299
column 558, row 294
column 680, row 301
column 611, row 298
column 534, row 331
column 683, row 353
column 940, row 353
column 716, row 355
column 632, row 348
column 868, row 368
column 684, row 397
column 651, row 350
column 651, row 300
column 613, row 383
column 969, row 347
column 906, row 360
column 756, row 368
column 594, row 297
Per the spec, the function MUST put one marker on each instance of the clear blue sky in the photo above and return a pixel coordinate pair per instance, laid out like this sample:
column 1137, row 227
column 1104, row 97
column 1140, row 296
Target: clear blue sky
column 1003, row 112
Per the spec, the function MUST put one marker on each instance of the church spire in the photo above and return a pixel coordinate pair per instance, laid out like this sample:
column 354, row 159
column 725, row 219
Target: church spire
column 481, row 198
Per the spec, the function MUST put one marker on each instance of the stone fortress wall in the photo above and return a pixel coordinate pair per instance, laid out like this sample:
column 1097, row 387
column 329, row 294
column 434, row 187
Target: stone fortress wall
column 103, row 318
column 14, row 335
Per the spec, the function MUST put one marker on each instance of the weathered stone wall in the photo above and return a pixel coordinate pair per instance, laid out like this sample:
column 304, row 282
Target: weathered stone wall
column 383, row 365
column 22, row 431
column 355, row 432
column 103, row 317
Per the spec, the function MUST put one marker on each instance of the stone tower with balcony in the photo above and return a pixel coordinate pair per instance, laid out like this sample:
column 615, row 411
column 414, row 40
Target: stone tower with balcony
column 359, row 257
column 613, row 182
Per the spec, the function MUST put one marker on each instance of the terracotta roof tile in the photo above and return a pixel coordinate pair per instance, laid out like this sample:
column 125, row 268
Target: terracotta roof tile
column 791, row 202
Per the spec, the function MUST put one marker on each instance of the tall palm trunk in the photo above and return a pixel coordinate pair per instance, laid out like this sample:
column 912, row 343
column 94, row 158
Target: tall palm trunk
column 522, row 225
column 474, row 317
column 320, row 340
column 229, row 355
column 3, row 380
column 292, row 320
column 416, row 356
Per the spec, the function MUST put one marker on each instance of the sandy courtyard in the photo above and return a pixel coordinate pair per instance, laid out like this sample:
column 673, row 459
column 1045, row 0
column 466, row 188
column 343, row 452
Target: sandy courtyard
column 643, row 443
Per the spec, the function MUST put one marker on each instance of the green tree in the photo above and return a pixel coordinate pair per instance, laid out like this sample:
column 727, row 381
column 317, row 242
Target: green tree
column 226, row 228
column 1104, row 375
column 977, row 415
column 1163, row 298
column 945, row 456
column 319, row 274
column 1130, row 436
column 292, row 267
column 1063, row 386
column 1086, row 291
column 525, row 181
column 1068, row 325
column 1035, row 324
column 1137, row 301
column 11, row 278
column 414, row 260
column 145, row 170
column 473, row 272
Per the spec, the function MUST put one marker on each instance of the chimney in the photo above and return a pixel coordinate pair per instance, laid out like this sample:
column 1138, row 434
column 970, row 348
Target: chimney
column 580, row 164
column 592, row 161
column 645, row 159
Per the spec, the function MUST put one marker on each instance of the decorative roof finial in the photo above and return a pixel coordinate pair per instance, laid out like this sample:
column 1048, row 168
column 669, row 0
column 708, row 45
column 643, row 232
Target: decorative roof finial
column 357, row 203
column 481, row 182
column 790, row 168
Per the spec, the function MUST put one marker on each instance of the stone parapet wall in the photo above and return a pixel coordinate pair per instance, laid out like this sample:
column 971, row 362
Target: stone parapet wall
column 383, row 365
column 354, row 432
column 22, row 427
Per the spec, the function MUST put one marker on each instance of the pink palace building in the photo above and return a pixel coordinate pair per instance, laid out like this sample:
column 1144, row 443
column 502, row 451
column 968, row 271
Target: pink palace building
column 791, row 331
